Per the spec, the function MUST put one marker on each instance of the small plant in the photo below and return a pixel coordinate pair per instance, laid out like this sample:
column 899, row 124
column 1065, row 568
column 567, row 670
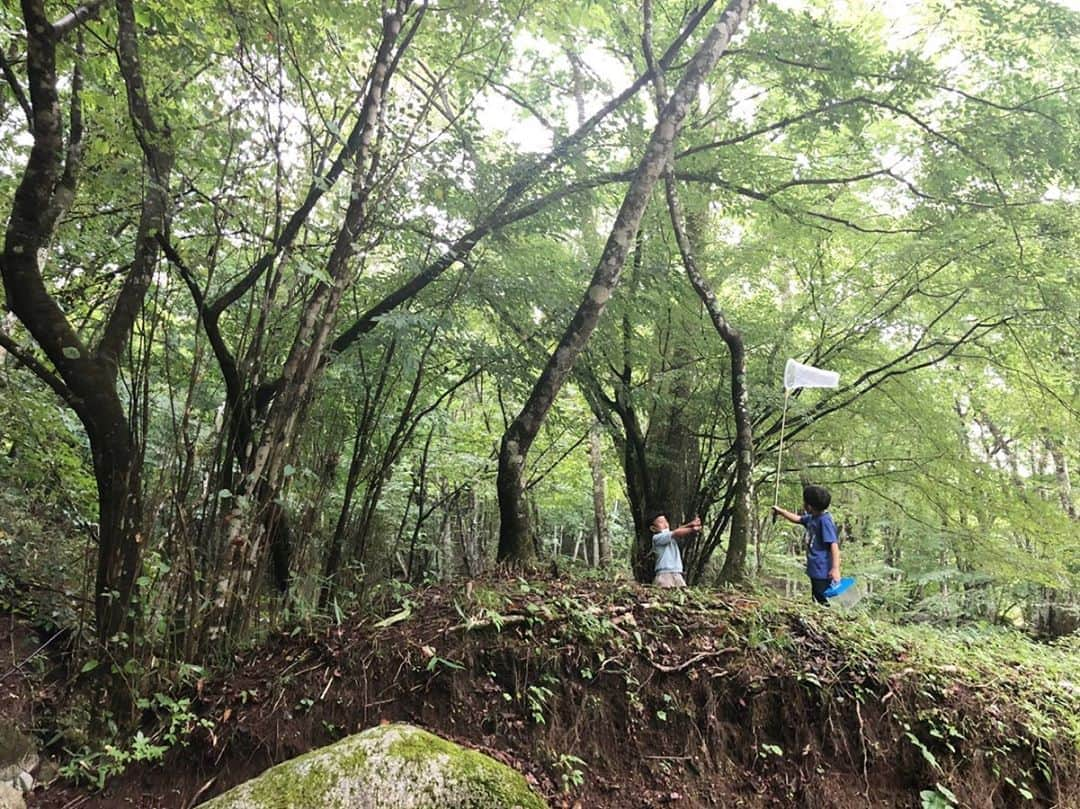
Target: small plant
column 633, row 697
column 940, row 797
column 1022, row 788
column 437, row 661
column 926, row 754
column 669, row 705
column 176, row 721
column 180, row 719
column 94, row 767
column 536, row 697
column 570, row 771
column 142, row 749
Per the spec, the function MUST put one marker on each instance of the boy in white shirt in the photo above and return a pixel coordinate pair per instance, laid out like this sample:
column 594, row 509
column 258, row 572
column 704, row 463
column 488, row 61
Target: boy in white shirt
column 669, row 567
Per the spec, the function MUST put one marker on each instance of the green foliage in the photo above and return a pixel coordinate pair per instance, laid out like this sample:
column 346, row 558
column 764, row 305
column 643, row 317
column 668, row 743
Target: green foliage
column 940, row 797
column 571, row 771
column 537, row 697
column 174, row 721
column 1035, row 679
column 900, row 208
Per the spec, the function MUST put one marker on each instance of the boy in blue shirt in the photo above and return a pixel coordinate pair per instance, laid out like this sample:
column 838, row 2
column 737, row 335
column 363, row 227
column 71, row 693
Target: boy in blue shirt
column 669, row 569
column 822, row 549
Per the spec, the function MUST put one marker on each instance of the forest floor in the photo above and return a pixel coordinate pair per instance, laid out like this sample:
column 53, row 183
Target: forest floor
column 608, row 694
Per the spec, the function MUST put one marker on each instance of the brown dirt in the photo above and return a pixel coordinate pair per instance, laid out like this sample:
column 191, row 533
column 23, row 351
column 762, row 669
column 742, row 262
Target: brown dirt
column 688, row 699
column 17, row 644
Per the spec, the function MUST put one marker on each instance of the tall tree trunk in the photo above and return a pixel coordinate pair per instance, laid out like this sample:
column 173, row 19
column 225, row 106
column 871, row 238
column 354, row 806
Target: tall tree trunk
column 253, row 530
column 634, row 450
column 601, row 537
column 735, row 560
column 515, row 541
column 86, row 378
column 1061, row 475
column 734, row 569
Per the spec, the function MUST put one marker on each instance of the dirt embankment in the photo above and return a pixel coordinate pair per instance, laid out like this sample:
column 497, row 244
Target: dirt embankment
column 609, row 695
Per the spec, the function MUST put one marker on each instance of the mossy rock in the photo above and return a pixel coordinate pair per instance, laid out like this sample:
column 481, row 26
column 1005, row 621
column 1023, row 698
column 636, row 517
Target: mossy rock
column 387, row 767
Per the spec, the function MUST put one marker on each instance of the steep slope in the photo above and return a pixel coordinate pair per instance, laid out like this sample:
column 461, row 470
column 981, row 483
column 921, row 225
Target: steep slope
column 613, row 695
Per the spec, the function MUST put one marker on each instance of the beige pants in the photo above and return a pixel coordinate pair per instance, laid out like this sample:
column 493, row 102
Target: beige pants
column 669, row 580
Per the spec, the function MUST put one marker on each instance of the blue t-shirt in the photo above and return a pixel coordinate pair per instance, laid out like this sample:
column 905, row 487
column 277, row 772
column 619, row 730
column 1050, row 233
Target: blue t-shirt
column 820, row 534
column 668, row 556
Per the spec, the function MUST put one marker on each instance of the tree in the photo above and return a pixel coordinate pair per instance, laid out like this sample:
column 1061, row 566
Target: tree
column 514, row 540
column 86, row 376
column 741, row 492
column 848, row 198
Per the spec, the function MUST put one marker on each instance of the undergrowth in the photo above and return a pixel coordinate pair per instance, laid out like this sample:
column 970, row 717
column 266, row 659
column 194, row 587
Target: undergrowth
column 619, row 696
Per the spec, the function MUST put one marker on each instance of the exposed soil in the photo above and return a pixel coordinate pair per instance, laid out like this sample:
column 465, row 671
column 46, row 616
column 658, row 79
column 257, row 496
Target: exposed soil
column 688, row 699
column 17, row 645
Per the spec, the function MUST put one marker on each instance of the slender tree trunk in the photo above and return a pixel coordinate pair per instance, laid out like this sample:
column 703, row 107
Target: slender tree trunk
column 446, row 535
column 734, row 568
column 251, row 531
column 735, row 560
column 1061, row 475
column 515, row 540
column 361, row 450
column 601, row 537
column 332, row 563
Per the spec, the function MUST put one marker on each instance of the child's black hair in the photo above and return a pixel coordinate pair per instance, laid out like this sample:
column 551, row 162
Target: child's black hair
column 817, row 497
column 652, row 515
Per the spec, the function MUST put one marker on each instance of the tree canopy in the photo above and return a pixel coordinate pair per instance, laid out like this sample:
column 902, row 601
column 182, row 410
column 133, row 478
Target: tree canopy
column 283, row 282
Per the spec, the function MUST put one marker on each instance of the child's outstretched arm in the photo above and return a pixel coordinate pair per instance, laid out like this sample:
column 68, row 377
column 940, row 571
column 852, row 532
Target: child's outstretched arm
column 790, row 516
column 687, row 529
column 834, row 555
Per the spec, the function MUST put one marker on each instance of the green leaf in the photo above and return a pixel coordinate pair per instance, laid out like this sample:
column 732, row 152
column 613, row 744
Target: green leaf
column 396, row 618
column 926, row 754
column 934, row 800
column 89, row 666
column 948, row 793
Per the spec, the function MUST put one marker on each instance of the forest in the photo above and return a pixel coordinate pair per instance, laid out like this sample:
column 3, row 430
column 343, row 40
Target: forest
column 331, row 320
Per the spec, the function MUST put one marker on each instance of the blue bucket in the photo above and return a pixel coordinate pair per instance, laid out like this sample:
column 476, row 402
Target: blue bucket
column 844, row 592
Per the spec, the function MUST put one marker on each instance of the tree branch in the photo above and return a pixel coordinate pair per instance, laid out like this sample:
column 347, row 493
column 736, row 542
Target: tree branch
column 1022, row 106
column 27, row 360
column 315, row 192
column 226, row 361
column 17, row 89
column 764, row 130
column 64, row 193
column 157, row 152
column 27, row 230
column 498, row 216
column 896, row 367
column 76, row 18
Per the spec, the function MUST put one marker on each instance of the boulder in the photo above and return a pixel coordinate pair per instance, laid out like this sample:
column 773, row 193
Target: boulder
column 387, row 767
